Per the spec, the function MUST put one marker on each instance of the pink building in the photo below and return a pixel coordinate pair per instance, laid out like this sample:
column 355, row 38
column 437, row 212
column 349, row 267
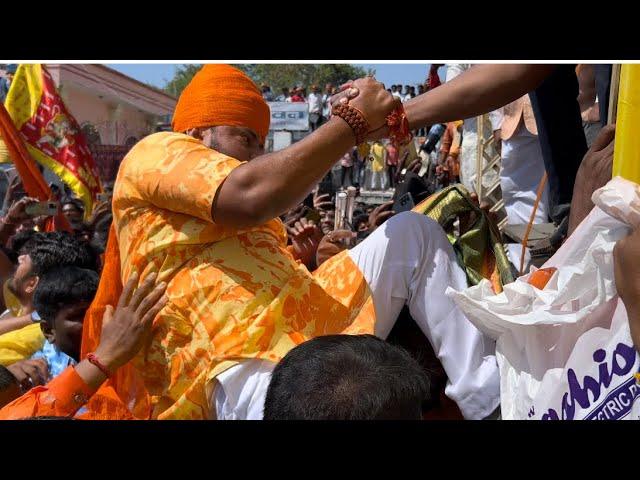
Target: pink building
column 113, row 110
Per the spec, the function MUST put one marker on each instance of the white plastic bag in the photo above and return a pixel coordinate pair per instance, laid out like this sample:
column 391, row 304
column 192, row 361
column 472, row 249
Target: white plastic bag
column 565, row 352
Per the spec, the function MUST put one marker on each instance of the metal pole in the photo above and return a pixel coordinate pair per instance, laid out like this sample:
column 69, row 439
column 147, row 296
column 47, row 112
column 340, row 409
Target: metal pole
column 479, row 155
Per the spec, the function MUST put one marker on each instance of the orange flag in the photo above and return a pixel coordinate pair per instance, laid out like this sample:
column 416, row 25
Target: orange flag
column 51, row 135
column 33, row 181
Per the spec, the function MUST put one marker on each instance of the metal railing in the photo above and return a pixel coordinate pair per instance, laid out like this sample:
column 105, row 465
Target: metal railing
column 488, row 160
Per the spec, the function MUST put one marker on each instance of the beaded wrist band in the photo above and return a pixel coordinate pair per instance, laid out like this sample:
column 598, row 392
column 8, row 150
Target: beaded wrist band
column 354, row 118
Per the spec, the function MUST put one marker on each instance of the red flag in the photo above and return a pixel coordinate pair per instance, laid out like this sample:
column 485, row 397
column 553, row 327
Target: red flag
column 50, row 133
column 33, row 181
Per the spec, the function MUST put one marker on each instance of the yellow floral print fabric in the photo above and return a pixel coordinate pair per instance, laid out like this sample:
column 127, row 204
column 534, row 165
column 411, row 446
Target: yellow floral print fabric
column 233, row 293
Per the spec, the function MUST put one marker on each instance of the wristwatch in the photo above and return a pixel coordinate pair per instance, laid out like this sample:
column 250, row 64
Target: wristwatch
column 35, row 318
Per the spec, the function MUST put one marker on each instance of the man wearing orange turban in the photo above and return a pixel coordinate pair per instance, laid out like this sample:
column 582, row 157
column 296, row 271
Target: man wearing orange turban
column 199, row 207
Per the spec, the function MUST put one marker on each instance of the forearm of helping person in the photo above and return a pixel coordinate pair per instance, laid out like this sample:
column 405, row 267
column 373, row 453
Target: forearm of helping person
column 273, row 183
column 61, row 397
column 477, row 91
column 15, row 323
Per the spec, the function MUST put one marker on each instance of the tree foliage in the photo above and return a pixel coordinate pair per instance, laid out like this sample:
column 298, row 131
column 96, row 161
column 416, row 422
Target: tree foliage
column 278, row 76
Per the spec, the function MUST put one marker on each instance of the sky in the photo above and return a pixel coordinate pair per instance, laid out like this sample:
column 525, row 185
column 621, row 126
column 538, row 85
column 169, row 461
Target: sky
column 389, row 74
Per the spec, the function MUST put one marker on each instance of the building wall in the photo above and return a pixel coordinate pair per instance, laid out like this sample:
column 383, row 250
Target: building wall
column 121, row 109
column 114, row 122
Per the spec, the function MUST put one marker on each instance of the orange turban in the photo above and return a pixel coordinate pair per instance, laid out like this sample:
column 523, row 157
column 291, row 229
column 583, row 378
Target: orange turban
column 221, row 95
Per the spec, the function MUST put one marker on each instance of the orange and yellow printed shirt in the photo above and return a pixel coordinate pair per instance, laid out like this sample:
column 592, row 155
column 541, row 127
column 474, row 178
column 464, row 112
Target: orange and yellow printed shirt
column 234, row 294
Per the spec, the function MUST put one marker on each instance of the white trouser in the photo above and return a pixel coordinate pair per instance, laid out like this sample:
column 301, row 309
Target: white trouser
column 408, row 260
column 520, row 175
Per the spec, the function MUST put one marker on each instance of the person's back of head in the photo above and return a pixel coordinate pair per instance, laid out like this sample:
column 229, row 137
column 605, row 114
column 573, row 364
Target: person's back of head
column 57, row 249
column 23, row 242
column 346, row 377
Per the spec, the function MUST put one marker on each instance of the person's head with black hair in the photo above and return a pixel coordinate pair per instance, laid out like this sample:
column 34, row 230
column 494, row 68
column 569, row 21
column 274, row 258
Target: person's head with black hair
column 9, row 387
column 61, row 299
column 74, row 211
column 22, row 243
column 83, row 232
column 346, row 377
column 57, row 249
column 50, row 250
column 361, row 223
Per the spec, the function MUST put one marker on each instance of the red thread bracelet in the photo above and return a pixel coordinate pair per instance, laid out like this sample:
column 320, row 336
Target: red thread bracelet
column 94, row 360
column 398, row 124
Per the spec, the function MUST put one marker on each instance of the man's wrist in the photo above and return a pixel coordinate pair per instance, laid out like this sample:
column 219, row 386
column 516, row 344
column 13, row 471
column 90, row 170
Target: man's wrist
column 91, row 375
column 106, row 359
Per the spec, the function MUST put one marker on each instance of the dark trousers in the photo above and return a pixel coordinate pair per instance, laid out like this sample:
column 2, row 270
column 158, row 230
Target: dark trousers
column 315, row 120
column 345, row 176
column 561, row 135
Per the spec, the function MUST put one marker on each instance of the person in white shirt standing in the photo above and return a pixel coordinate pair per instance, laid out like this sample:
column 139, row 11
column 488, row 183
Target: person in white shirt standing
column 522, row 170
column 407, row 94
column 315, row 107
column 329, row 90
column 395, row 91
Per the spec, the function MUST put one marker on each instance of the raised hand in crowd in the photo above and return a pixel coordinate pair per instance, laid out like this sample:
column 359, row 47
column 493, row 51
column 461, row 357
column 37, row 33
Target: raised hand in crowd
column 18, row 211
column 322, row 202
column 305, row 240
column 16, row 215
column 415, row 166
column 380, row 214
column 15, row 190
column 100, row 210
column 333, row 243
column 290, row 219
column 125, row 329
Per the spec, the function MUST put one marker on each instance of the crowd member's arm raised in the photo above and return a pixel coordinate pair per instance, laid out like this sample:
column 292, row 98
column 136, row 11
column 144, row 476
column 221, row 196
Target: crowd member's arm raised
column 15, row 216
column 124, row 332
column 275, row 182
column 477, row 91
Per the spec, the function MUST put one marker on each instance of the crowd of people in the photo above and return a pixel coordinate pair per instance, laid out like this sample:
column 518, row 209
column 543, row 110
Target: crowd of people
column 211, row 282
